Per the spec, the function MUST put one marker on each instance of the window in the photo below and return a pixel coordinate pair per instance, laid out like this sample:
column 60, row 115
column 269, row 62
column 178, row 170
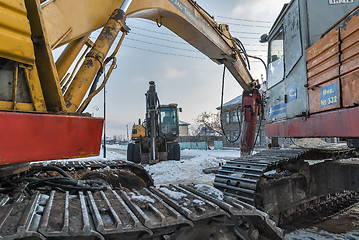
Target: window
column 236, row 135
column 235, row 116
column 276, row 60
column 227, row 117
column 168, row 120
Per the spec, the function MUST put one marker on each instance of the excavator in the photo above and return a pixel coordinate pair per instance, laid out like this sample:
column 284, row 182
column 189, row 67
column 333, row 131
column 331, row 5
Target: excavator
column 311, row 92
column 43, row 118
column 153, row 141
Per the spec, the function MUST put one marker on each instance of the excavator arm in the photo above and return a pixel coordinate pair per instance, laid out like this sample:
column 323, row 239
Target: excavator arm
column 52, row 90
column 185, row 18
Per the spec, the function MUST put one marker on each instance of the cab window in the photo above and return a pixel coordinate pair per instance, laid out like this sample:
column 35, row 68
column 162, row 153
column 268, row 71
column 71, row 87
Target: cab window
column 276, row 59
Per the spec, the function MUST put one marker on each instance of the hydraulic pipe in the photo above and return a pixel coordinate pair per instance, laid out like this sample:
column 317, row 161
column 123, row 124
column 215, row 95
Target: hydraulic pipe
column 94, row 59
column 125, row 5
column 251, row 106
column 68, row 56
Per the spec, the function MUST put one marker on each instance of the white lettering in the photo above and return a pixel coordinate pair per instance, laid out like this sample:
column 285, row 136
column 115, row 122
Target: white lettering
column 332, row 2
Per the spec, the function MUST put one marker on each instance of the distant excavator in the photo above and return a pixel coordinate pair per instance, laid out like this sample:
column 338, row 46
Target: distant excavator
column 153, row 141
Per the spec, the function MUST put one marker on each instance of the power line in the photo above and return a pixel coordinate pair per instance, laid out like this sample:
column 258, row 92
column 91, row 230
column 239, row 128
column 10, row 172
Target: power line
column 164, row 53
column 228, row 23
column 161, row 45
column 147, row 30
column 244, row 20
column 256, row 33
column 177, row 48
column 244, row 25
column 174, row 54
column 231, row 18
column 174, row 35
column 182, row 49
column 157, row 38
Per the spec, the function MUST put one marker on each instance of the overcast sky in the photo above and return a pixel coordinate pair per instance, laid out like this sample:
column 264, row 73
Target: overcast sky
column 182, row 74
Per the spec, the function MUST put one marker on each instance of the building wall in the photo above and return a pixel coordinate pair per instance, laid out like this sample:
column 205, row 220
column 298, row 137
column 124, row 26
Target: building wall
column 231, row 128
column 183, row 130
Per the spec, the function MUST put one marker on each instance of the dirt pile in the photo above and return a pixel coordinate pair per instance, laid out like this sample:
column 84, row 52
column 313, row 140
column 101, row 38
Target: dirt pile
column 308, row 143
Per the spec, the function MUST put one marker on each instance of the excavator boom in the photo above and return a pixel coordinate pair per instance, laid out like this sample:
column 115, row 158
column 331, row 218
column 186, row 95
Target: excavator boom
column 51, row 24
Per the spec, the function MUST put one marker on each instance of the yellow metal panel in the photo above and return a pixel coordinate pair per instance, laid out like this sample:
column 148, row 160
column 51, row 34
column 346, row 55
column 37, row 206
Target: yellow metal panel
column 36, row 94
column 15, row 33
column 44, row 61
column 138, row 131
column 80, row 16
column 23, row 107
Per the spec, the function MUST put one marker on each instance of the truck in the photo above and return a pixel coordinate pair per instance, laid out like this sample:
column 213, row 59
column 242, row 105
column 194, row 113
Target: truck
column 153, row 141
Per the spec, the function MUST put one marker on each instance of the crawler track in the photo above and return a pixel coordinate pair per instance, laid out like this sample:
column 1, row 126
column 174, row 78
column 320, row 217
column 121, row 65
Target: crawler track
column 240, row 178
column 283, row 184
column 177, row 212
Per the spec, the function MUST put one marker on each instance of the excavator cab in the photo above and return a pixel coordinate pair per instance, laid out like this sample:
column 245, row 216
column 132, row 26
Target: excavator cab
column 169, row 121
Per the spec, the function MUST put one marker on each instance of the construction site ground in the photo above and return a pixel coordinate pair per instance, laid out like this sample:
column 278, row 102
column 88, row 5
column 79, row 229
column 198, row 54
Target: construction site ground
column 189, row 169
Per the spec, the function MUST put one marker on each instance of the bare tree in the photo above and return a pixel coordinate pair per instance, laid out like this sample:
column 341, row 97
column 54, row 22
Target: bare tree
column 211, row 121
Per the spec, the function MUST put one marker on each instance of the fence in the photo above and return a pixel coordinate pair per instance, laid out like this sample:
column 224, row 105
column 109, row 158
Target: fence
column 200, row 145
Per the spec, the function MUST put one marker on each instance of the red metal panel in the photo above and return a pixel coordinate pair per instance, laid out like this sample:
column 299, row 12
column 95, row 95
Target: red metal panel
column 29, row 137
column 340, row 123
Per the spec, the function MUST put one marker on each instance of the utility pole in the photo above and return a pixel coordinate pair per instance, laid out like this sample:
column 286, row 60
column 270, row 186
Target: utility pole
column 104, row 122
column 127, row 133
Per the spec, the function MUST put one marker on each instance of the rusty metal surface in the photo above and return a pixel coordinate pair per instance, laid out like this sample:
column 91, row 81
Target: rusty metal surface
column 349, row 34
column 350, row 91
column 318, row 125
column 323, row 69
column 335, row 58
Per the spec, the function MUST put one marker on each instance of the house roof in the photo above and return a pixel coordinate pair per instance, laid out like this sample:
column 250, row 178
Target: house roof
column 234, row 101
column 183, row 123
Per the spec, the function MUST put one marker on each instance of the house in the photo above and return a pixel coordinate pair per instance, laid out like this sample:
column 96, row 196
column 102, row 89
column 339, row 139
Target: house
column 231, row 117
column 207, row 131
column 183, row 128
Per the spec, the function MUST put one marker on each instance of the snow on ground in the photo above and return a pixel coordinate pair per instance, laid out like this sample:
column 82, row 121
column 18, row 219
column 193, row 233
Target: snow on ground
column 189, row 170
column 317, row 234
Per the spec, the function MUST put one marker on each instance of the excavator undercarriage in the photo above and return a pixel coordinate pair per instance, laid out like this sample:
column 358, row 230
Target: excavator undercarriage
column 49, row 202
column 291, row 184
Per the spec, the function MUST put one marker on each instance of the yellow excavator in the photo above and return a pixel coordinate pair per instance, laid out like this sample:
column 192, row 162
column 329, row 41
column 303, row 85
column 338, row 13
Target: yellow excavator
column 42, row 104
column 153, row 141
column 42, row 117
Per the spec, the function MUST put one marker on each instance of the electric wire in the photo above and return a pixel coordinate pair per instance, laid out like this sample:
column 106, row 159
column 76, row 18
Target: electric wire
column 164, row 53
column 161, row 45
column 242, row 19
column 221, row 113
